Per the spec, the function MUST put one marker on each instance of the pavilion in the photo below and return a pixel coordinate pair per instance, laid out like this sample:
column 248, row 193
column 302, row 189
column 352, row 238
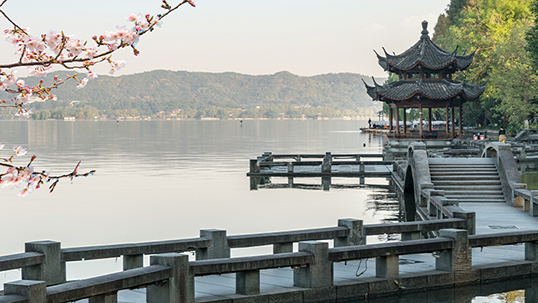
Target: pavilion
column 425, row 81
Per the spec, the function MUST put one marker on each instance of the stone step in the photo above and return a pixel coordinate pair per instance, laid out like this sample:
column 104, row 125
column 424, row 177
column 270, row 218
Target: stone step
column 475, row 197
column 461, row 164
column 475, row 188
column 462, row 161
column 464, row 177
column 462, row 169
column 459, row 171
column 473, row 192
column 467, row 182
column 481, row 200
column 434, row 168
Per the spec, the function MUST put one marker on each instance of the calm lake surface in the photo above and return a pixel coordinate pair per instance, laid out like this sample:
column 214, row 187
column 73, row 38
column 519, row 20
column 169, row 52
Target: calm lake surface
column 160, row 180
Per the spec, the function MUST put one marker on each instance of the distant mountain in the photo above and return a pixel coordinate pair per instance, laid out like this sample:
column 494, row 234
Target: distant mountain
column 159, row 91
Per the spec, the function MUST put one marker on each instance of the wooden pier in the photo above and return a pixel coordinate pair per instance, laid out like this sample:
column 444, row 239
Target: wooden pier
column 324, row 166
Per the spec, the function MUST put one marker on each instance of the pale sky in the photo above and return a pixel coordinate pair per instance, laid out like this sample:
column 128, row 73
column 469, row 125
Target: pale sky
column 304, row 37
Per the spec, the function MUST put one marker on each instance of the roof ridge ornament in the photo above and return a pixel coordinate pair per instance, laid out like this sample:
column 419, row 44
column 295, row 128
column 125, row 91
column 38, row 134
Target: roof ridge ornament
column 424, row 29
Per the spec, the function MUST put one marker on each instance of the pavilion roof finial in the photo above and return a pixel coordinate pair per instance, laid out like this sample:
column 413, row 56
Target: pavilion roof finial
column 424, row 29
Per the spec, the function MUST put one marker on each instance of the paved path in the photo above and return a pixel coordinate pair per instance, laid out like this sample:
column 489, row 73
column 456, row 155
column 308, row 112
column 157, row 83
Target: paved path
column 490, row 218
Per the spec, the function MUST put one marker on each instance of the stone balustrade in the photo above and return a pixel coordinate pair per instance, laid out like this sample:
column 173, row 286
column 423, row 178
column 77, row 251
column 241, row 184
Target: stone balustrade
column 170, row 277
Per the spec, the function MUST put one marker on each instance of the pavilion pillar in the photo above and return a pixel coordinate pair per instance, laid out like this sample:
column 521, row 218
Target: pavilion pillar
column 420, row 120
column 404, row 121
column 453, row 124
column 446, row 118
column 390, row 118
column 397, row 119
column 430, row 120
column 459, row 123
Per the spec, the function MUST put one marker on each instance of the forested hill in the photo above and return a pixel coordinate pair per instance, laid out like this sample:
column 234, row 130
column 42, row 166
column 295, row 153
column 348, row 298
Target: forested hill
column 202, row 94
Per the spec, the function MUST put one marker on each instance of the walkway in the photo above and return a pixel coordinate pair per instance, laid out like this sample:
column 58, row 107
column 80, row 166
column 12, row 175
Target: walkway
column 490, row 218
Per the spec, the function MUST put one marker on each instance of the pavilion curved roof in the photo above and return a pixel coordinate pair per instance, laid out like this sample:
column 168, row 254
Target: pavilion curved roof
column 425, row 53
column 431, row 89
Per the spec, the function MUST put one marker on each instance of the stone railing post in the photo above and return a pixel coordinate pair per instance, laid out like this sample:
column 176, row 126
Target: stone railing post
column 254, row 167
column 423, row 200
column 531, row 251
column 459, row 258
column 219, row 245
column 247, row 282
column 133, row 261
column 33, row 291
column 327, row 162
column 180, row 286
column 109, row 298
column 50, row 270
column 387, row 267
column 533, row 209
column 356, row 233
column 516, row 200
column 470, row 218
column 318, row 274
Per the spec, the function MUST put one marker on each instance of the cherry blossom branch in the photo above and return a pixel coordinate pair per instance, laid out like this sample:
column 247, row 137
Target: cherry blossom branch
column 25, row 175
column 40, row 53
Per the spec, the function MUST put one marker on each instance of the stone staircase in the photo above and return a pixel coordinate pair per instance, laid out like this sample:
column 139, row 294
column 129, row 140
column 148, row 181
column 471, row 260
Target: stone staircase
column 467, row 179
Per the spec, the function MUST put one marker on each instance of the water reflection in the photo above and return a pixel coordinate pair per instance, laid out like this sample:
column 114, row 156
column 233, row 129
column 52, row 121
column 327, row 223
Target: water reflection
column 160, row 180
column 512, row 291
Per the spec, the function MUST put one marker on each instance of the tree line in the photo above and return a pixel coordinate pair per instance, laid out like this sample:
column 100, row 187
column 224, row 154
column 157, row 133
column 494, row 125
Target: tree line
column 181, row 94
column 504, row 35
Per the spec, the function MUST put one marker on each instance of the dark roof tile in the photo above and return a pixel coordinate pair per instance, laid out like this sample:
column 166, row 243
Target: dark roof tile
column 431, row 89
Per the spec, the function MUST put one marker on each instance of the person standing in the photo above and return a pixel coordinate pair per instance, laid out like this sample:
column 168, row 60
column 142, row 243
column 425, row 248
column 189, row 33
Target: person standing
column 502, row 135
column 369, row 123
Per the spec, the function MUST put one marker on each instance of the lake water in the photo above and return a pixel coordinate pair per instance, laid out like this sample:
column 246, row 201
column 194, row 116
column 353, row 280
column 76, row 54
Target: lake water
column 159, row 180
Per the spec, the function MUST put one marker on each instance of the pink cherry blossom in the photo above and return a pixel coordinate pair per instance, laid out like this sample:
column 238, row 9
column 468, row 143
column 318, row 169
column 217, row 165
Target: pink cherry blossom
column 133, row 17
column 19, row 151
column 158, row 22
column 25, row 192
column 91, row 75
column 120, row 64
column 39, row 71
column 142, row 25
column 26, row 173
column 23, row 113
column 131, row 38
column 92, row 52
column 23, row 98
column 82, row 83
column 74, row 46
column 11, row 78
column 35, row 44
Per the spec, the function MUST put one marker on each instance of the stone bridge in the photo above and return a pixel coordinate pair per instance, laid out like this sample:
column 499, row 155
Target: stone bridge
column 437, row 188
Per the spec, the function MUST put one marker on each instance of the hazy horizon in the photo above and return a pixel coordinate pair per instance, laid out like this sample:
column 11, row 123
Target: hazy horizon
column 303, row 37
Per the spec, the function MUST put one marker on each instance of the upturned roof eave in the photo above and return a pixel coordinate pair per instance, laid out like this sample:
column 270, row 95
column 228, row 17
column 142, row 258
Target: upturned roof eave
column 460, row 91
